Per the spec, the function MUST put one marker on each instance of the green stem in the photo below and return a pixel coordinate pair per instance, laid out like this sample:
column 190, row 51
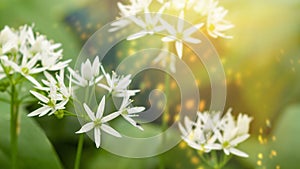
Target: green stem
column 225, row 160
column 14, row 126
column 79, row 151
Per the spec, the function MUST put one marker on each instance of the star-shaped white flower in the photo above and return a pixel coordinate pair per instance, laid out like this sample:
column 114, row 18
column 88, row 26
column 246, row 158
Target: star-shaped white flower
column 52, row 103
column 27, row 67
column 59, row 83
column 149, row 25
column 128, row 10
column 89, row 73
column 233, row 133
column 98, row 122
column 179, row 35
column 117, row 85
column 200, row 135
column 216, row 24
column 128, row 112
column 8, row 40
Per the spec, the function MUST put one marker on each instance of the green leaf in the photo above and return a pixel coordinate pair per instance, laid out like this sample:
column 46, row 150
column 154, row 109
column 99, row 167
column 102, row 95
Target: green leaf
column 35, row 150
column 287, row 142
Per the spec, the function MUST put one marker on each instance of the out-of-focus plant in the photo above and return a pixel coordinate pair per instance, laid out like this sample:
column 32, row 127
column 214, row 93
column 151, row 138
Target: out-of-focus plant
column 210, row 132
column 27, row 55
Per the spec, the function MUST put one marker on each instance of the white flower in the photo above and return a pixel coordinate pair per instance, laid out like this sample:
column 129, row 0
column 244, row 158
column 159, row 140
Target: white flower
column 135, row 7
column 8, row 40
column 149, row 26
column 27, row 67
column 98, row 122
column 211, row 132
column 200, row 135
column 180, row 35
column 89, row 74
column 128, row 112
column 117, row 85
column 165, row 58
column 28, row 54
column 233, row 133
column 65, row 91
column 216, row 24
column 48, row 56
column 52, row 103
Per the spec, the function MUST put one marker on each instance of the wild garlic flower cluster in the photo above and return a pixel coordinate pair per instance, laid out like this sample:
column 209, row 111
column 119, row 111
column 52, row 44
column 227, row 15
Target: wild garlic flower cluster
column 27, row 53
column 91, row 74
column 212, row 132
column 53, row 94
column 151, row 17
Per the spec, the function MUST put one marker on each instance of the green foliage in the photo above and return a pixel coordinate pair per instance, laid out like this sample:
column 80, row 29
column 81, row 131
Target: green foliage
column 35, row 150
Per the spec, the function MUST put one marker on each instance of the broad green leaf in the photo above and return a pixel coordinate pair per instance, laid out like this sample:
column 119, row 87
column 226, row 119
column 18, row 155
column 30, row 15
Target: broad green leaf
column 35, row 150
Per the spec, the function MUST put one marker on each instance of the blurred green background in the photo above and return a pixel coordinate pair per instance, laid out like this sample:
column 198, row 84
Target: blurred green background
column 262, row 66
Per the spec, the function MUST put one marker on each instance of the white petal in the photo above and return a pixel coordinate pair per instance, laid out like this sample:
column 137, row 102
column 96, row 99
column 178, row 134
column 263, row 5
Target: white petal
column 96, row 66
column 110, row 117
column 51, row 112
column 213, row 146
column 79, row 80
column 167, row 26
column 12, row 64
column 97, row 136
column 37, row 70
column 32, row 80
column 238, row 152
column 226, row 151
column 124, row 82
column 135, row 110
column 132, row 122
column 180, row 22
column 169, row 38
column 86, row 70
column 32, row 62
column 192, row 29
column 192, row 40
column 86, row 128
column 240, row 139
column 100, row 109
column 104, row 87
column 179, row 47
column 137, row 35
column 89, row 112
column 110, row 130
column 159, row 28
column 49, row 77
column 61, row 104
column 137, row 21
column 41, row 110
column 40, row 96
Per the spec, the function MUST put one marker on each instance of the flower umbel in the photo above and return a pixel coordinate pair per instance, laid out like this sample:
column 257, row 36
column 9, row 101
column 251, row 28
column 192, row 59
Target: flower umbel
column 98, row 122
column 211, row 132
column 117, row 85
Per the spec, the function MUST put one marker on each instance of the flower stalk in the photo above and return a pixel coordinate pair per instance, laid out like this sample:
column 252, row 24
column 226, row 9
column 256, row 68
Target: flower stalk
column 79, row 151
column 14, row 126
